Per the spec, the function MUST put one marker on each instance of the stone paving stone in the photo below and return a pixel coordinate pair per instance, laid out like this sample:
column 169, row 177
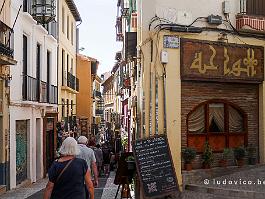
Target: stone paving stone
column 24, row 192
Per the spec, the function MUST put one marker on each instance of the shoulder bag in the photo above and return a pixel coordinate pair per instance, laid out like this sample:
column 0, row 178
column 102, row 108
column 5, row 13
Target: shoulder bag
column 64, row 169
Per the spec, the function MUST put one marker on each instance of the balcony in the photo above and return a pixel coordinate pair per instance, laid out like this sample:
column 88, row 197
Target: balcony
column 29, row 88
column 6, row 45
column 251, row 17
column 130, row 45
column 72, row 83
column 53, row 94
column 99, row 112
column 43, row 92
column 97, row 94
column 38, row 91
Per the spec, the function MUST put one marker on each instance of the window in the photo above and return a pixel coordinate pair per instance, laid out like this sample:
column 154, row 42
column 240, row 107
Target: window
column 72, row 65
column 63, row 109
column 38, row 70
column 25, row 67
column 63, row 75
column 63, row 22
column 256, row 7
column 72, row 34
column 67, row 33
column 25, row 6
column 67, row 62
column 67, row 107
column 221, row 123
column 48, row 73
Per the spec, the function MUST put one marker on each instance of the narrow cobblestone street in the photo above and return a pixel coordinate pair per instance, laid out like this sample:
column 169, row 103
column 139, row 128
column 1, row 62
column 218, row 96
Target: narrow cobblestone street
column 106, row 190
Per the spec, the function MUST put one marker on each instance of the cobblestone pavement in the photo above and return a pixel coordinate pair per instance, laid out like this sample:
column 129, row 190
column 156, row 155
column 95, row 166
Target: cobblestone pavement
column 250, row 180
column 106, row 190
column 26, row 191
column 254, row 178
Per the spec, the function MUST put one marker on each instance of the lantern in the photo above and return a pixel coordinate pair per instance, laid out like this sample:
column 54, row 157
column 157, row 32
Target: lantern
column 43, row 11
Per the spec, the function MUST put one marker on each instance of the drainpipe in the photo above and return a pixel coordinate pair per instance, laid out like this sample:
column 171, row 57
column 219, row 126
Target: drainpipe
column 161, row 108
column 147, row 77
column 153, row 99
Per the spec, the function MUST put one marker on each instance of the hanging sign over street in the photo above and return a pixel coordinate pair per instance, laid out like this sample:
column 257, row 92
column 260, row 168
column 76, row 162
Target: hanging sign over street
column 219, row 61
column 155, row 167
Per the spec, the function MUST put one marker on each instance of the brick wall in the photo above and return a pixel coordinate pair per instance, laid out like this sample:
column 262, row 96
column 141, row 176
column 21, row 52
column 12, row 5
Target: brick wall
column 243, row 95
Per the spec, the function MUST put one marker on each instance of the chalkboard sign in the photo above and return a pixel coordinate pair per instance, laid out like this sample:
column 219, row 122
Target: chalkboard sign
column 155, row 167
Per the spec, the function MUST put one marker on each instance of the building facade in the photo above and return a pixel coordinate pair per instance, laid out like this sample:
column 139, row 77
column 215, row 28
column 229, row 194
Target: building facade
column 6, row 60
column 126, row 32
column 98, row 108
column 202, row 74
column 68, row 16
column 33, row 96
column 86, row 72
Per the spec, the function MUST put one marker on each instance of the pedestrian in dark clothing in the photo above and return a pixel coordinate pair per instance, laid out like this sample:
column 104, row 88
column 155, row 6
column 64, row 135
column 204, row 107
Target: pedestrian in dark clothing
column 99, row 157
column 106, row 159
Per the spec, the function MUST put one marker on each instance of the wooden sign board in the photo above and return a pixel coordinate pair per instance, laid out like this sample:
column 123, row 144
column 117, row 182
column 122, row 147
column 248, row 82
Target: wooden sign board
column 155, row 167
column 222, row 62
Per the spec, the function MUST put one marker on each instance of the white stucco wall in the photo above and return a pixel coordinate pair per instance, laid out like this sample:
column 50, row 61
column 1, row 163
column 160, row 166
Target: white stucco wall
column 26, row 110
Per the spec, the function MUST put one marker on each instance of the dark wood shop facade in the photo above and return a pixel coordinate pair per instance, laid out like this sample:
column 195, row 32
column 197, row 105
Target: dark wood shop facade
column 220, row 95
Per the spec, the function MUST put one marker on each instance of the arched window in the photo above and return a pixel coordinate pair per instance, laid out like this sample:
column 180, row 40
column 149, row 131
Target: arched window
column 221, row 123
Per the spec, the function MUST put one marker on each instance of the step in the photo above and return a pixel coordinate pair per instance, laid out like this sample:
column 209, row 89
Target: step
column 224, row 192
column 2, row 189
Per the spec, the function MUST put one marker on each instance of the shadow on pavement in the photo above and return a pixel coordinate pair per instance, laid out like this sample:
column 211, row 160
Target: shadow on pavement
column 98, row 190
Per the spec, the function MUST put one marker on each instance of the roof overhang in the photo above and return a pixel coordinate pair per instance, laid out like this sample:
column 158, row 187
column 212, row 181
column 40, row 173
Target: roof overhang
column 74, row 10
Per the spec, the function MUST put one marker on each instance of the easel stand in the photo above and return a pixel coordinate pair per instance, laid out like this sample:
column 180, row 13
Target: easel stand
column 125, row 189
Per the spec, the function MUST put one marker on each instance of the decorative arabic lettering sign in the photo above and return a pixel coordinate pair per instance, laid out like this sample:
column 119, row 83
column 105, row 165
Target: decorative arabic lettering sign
column 155, row 167
column 218, row 61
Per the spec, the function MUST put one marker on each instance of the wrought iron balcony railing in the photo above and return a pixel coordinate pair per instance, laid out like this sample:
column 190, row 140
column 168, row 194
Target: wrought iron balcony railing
column 53, row 94
column 6, row 40
column 43, row 92
column 39, row 91
column 72, row 82
column 97, row 94
column 29, row 88
column 99, row 111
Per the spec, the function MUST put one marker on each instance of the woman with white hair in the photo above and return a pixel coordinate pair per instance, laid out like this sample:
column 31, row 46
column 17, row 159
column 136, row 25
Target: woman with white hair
column 68, row 174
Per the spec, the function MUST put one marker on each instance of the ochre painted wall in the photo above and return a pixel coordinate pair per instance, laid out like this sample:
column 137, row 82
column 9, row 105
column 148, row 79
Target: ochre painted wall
column 84, row 97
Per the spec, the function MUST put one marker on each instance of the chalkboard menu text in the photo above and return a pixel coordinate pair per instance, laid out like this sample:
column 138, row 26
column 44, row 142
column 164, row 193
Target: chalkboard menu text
column 155, row 167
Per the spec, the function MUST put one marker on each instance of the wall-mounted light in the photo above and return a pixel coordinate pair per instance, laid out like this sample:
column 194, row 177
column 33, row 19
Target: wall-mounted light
column 43, row 11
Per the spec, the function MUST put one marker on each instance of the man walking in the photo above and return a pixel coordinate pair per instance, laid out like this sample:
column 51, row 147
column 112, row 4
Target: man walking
column 88, row 155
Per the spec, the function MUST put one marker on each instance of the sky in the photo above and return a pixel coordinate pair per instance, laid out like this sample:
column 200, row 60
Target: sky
column 97, row 31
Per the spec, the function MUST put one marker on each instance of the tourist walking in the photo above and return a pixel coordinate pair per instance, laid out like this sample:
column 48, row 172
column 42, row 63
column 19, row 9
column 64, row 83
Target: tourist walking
column 106, row 158
column 99, row 158
column 68, row 174
column 88, row 155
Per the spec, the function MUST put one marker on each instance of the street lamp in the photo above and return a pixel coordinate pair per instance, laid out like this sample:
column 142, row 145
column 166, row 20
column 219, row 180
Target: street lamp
column 43, row 11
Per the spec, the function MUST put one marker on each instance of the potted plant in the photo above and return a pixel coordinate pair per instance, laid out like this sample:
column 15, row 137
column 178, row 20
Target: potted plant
column 251, row 155
column 130, row 162
column 226, row 153
column 188, row 155
column 207, row 156
column 131, row 167
column 239, row 154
